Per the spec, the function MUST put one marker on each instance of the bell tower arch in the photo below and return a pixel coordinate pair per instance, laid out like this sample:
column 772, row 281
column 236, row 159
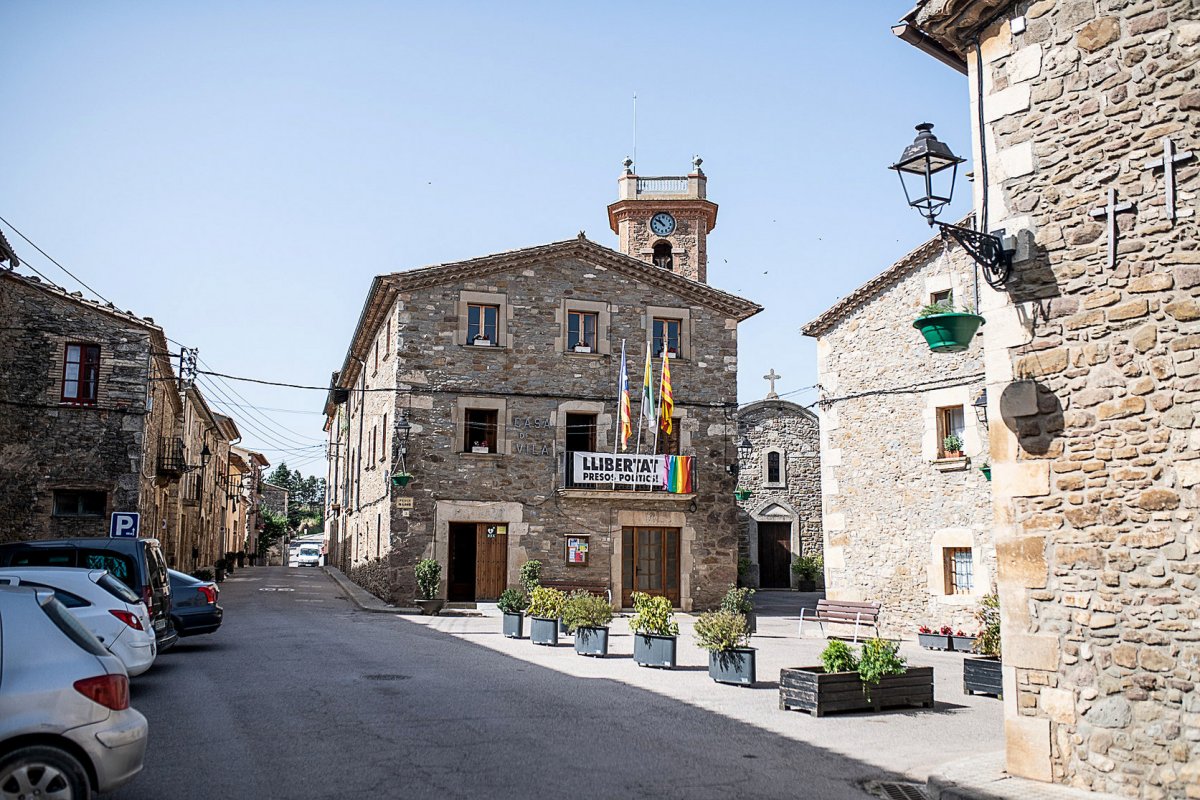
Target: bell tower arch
column 665, row 220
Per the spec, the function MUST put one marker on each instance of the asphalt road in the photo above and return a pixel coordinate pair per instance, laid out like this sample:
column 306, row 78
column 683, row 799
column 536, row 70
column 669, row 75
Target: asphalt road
column 299, row 695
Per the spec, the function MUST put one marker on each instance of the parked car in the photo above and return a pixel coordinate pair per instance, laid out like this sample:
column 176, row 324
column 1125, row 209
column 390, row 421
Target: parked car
column 66, row 728
column 138, row 563
column 107, row 608
column 194, row 608
column 310, row 556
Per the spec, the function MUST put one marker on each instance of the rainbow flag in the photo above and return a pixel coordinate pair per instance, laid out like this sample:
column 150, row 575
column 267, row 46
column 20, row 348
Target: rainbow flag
column 677, row 474
column 626, row 415
column 666, row 396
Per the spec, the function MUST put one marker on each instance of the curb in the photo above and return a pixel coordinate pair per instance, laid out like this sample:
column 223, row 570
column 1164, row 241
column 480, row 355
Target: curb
column 984, row 777
column 369, row 602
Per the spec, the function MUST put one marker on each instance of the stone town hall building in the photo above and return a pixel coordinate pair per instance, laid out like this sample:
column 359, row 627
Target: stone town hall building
column 501, row 368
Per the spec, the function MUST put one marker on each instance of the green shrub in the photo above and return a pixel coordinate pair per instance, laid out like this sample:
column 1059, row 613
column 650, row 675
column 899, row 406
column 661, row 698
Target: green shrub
column 738, row 600
column 585, row 610
column 203, row 574
column 838, row 657
column 653, row 616
column 940, row 307
column 531, row 576
column 722, row 631
column 743, row 565
column 988, row 641
column 807, row 568
column 545, row 602
column 879, row 658
column 512, row 600
column 429, row 575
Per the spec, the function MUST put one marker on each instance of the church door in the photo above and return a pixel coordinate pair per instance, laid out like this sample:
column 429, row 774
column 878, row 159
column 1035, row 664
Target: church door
column 774, row 554
column 649, row 563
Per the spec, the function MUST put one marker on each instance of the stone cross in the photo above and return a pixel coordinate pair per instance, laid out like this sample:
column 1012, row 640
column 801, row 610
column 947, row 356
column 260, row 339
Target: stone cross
column 1167, row 163
column 772, row 377
column 1111, row 210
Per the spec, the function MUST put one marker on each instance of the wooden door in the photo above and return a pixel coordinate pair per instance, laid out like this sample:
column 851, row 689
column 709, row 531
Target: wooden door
column 774, row 554
column 650, row 563
column 491, row 560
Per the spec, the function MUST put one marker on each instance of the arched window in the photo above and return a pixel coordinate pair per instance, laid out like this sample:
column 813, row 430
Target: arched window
column 663, row 257
column 773, row 471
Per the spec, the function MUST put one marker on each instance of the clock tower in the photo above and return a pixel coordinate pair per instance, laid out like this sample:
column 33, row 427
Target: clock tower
column 665, row 220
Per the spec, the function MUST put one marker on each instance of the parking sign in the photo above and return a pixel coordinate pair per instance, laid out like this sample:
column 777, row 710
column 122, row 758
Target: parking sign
column 124, row 525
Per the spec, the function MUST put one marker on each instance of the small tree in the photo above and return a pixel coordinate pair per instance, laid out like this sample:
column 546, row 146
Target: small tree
column 429, row 576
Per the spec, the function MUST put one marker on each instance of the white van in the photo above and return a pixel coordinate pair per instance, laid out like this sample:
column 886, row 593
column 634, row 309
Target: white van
column 310, row 555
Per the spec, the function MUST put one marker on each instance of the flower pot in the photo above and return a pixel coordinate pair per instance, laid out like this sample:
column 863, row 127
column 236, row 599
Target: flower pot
column 983, row 676
column 220, row 574
column 742, row 495
column 514, row 624
column 987, row 471
column 732, row 666
column 401, row 479
column 543, row 631
column 652, row 650
column 962, row 644
column 582, row 348
column 949, row 333
column 481, row 342
column 952, row 454
column 751, row 621
column 591, row 641
column 804, row 585
column 563, row 630
column 933, row 641
column 819, row 692
column 430, row 608
column 480, row 450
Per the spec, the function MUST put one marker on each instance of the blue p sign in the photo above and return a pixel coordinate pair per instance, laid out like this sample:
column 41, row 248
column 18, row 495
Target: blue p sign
column 124, row 525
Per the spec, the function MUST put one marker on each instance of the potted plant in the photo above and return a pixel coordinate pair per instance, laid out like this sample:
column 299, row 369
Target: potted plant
column 961, row 642
column 847, row 681
column 806, row 569
column 983, row 675
column 480, row 446
column 952, row 446
column 986, row 469
column 931, row 639
column 737, row 600
column 947, row 330
column 512, row 604
column 545, row 606
column 219, row 568
column 582, row 347
column 742, row 494
column 429, row 575
column 481, row 340
column 401, row 478
column 726, row 637
column 655, row 632
column 587, row 616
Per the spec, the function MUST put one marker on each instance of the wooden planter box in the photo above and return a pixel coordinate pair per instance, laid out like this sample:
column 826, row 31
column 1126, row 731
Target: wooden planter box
column 651, row 650
column 983, row 676
column 818, row 692
column 514, row 624
column 933, row 641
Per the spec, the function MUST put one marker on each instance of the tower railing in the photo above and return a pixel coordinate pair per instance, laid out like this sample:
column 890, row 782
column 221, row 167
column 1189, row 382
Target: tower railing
column 662, row 185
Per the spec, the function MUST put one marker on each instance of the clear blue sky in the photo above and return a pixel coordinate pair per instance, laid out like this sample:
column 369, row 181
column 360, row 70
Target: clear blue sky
column 240, row 170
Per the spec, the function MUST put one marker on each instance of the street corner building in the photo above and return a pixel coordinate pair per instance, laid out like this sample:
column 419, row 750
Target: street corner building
column 478, row 418
column 1086, row 120
column 907, row 520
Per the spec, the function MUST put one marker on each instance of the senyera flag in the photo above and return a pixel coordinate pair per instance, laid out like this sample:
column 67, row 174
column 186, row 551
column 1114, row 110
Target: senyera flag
column 626, row 415
column 666, row 398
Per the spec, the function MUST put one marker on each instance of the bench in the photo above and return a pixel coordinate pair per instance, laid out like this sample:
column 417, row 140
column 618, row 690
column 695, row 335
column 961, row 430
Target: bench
column 593, row 587
column 845, row 612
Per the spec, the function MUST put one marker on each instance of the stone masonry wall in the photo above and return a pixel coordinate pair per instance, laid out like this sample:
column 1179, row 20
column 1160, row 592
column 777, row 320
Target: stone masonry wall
column 1094, row 370
column 537, row 384
column 890, row 505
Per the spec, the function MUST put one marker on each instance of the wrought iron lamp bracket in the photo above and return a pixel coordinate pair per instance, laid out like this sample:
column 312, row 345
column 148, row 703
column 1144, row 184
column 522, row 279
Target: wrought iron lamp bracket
column 988, row 251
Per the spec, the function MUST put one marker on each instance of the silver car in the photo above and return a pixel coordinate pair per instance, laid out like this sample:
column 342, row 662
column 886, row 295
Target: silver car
column 66, row 728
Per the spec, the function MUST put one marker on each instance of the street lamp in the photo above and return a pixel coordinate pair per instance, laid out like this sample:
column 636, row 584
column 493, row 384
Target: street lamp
column 927, row 169
column 205, row 457
column 744, row 449
column 403, row 430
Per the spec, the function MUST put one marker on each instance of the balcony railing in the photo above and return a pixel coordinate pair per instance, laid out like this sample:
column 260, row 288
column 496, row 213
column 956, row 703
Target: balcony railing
column 662, row 185
column 566, row 469
column 189, row 489
column 171, row 463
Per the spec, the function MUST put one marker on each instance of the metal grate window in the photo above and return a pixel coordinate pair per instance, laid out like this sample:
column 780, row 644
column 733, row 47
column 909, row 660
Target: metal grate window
column 960, row 573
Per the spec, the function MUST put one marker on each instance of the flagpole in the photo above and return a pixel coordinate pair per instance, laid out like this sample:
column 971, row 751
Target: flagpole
column 658, row 416
column 617, row 427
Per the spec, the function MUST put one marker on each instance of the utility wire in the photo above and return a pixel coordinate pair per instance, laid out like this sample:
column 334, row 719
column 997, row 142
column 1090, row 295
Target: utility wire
column 252, row 409
column 283, row 443
column 50, row 258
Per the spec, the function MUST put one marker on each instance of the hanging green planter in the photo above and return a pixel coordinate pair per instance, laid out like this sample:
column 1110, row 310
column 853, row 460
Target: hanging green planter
column 986, row 469
column 742, row 495
column 950, row 332
column 401, row 478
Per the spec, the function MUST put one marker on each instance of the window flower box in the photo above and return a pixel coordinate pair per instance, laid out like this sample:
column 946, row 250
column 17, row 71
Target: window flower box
column 480, row 448
column 933, row 641
column 481, row 341
column 582, row 348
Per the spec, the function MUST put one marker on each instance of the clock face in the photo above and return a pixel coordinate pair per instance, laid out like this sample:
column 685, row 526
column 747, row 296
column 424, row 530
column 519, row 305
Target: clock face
column 662, row 223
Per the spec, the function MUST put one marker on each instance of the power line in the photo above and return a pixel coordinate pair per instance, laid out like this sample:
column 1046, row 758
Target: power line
column 268, row 408
column 50, row 258
column 251, row 408
column 281, row 441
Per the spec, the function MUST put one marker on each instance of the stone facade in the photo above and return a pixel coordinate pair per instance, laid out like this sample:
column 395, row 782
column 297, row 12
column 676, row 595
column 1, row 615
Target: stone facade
column 685, row 200
column 1092, row 366
column 520, row 490
column 896, row 508
column 783, row 474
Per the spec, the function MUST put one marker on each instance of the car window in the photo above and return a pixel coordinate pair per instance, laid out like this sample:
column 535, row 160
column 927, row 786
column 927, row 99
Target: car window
column 158, row 569
column 118, row 565
column 70, row 626
column 66, row 598
column 117, row 589
column 45, row 558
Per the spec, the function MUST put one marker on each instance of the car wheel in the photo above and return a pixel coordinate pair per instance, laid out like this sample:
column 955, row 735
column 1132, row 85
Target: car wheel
column 42, row 771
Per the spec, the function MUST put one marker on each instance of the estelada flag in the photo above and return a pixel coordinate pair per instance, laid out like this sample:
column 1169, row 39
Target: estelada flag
column 666, row 397
column 626, row 422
